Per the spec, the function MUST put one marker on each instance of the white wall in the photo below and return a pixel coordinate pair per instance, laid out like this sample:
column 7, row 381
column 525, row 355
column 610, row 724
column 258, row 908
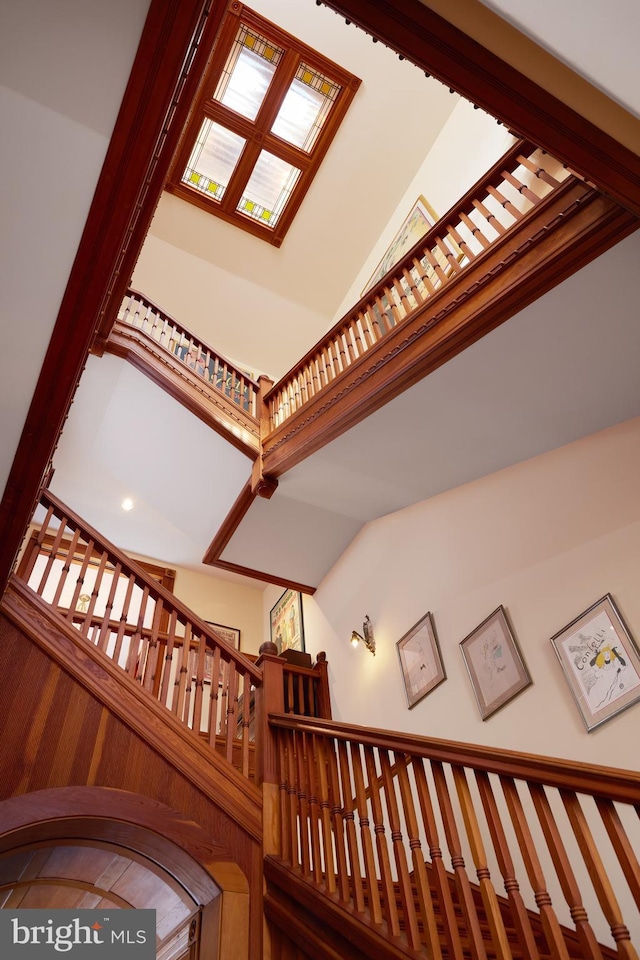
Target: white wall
column 546, row 538
column 469, row 143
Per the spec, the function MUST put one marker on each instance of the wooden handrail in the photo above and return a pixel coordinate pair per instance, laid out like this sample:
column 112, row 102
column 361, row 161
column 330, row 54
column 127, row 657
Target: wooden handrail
column 514, row 185
column 205, row 363
column 538, row 824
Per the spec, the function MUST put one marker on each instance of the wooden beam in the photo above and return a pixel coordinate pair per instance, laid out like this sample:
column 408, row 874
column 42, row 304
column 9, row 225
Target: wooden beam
column 554, row 240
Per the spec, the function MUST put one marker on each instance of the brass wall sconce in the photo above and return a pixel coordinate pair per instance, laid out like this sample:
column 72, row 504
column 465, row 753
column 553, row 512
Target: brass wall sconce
column 367, row 639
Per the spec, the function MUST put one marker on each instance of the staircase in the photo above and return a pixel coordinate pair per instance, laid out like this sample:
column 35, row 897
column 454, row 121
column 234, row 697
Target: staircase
column 367, row 843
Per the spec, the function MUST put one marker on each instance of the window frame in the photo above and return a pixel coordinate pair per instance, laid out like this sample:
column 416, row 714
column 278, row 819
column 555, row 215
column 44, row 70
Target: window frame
column 257, row 132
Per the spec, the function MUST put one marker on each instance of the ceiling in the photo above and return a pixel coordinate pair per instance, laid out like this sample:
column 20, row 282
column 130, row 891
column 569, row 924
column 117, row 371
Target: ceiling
column 506, row 399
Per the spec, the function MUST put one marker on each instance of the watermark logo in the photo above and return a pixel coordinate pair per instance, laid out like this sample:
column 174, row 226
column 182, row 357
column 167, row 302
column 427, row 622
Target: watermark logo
column 78, row 934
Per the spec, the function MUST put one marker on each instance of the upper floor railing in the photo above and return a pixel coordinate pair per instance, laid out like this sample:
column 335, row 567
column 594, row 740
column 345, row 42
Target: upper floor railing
column 219, row 374
column 140, row 625
column 413, row 834
column 517, row 183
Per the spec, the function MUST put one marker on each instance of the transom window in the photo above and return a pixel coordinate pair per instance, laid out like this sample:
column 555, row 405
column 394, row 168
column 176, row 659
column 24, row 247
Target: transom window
column 267, row 111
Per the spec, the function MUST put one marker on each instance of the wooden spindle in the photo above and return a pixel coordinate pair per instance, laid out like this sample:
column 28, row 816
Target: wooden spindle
column 366, row 840
column 475, row 229
column 302, row 802
column 105, row 630
column 283, row 790
column 564, row 871
column 66, row 568
column 384, row 862
column 420, row 878
column 88, row 620
column 519, row 913
column 433, row 261
column 599, row 876
column 246, row 724
column 315, row 820
column 463, row 884
column 348, row 818
column 53, row 550
column 134, row 657
column 151, row 665
column 198, row 698
column 292, row 796
column 214, row 692
column 122, row 625
column 336, row 820
column 621, row 844
column 168, row 658
column 78, row 589
column 319, row 751
column 399, row 852
column 504, row 202
column 232, row 709
column 538, row 171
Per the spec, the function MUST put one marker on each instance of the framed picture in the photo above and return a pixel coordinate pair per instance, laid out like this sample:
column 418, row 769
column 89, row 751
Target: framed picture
column 600, row 661
column 418, row 222
column 420, row 660
column 494, row 663
column 230, row 634
column 287, row 628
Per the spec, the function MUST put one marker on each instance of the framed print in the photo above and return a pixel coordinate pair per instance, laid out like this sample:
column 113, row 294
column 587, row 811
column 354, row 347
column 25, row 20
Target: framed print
column 494, row 663
column 287, row 628
column 420, row 660
column 600, row 661
column 418, row 222
column 230, row 634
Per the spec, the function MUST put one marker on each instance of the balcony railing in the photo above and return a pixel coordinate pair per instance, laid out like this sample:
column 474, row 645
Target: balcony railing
column 517, row 183
column 416, row 837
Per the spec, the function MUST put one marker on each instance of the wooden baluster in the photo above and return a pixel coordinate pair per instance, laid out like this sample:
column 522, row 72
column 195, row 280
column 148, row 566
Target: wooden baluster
column 562, row 863
column 550, row 924
column 384, row 862
column 356, row 337
column 80, row 579
column 463, row 885
column 420, row 877
column 336, row 819
column 350, row 828
column 315, row 375
column 105, row 631
column 115, row 656
column 53, row 550
column 424, row 279
column 402, row 291
column 431, row 258
column 351, row 351
column 180, row 681
column 412, row 285
column 151, row 665
column 391, row 310
column 598, row 875
column 621, row 844
column 214, row 693
column 441, row 877
column 303, row 802
column 366, row 840
column 288, row 692
column 283, row 786
column 168, row 658
column 385, row 323
column 125, row 308
column 538, row 171
column 499, row 940
column 319, row 752
column 399, row 853
column 66, row 567
column 88, row 620
column 457, row 239
column 224, row 697
column 246, row 724
column 475, row 228
column 199, row 682
column 519, row 913
column 452, row 261
column 504, row 202
column 315, row 821
column 292, row 794
column 232, row 709
column 135, row 658
column 522, row 188
column 30, row 556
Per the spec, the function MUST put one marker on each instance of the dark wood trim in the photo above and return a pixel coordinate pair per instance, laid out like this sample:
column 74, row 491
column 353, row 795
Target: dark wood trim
column 123, row 696
column 264, row 577
column 590, row 778
column 441, row 49
column 230, row 524
column 563, row 233
column 149, row 124
column 211, row 406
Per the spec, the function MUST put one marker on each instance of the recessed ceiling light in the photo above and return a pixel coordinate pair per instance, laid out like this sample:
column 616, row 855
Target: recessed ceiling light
column 127, row 503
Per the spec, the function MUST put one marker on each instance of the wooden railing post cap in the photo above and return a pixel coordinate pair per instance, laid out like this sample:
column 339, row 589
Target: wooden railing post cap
column 321, row 657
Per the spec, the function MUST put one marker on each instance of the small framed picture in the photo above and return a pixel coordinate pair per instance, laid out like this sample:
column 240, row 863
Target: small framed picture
column 600, row 661
column 287, row 627
column 494, row 663
column 230, row 634
column 420, row 660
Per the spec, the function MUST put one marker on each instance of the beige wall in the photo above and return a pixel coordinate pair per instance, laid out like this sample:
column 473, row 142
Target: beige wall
column 545, row 538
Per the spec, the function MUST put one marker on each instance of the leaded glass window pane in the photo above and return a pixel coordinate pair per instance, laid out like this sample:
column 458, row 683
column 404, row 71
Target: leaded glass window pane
column 247, row 74
column 305, row 108
column 213, row 159
column 268, row 189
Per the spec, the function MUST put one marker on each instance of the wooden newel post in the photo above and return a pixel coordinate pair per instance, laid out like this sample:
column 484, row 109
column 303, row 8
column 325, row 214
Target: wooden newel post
column 269, row 699
column 262, row 485
column 324, row 698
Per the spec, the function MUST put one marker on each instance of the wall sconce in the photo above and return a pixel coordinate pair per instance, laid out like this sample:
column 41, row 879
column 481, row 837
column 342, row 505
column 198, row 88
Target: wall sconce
column 367, row 639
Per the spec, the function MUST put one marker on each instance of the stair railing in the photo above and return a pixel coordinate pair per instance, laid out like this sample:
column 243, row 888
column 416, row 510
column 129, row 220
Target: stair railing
column 141, row 626
column 220, row 374
column 523, row 177
column 414, row 835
